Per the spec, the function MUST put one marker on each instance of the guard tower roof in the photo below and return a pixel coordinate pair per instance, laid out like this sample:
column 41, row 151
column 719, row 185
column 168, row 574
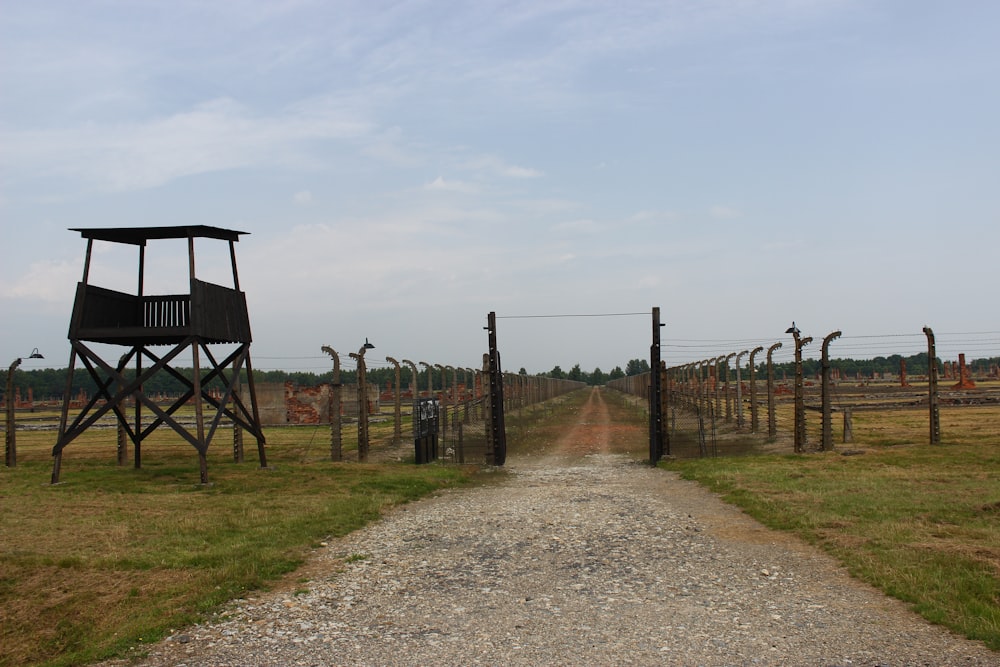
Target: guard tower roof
column 139, row 235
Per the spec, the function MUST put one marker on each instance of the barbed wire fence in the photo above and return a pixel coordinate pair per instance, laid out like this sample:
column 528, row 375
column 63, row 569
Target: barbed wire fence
column 460, row 394
column 802, row 393
column 721, row 396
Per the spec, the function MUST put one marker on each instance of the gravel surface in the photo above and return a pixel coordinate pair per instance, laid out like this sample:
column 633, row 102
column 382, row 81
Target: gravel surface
column 580, row 557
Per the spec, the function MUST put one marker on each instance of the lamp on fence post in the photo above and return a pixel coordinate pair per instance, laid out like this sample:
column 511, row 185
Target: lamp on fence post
column 826, row 430
column 754, row 416
column 800, row 408
column 362, row 401
column 397, row 431
column 336, row 445
column 10, row 446
column 772, row 424
column 739, row 389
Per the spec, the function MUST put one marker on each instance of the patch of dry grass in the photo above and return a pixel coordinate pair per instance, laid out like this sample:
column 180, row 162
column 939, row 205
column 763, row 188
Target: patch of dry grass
column 114, row 556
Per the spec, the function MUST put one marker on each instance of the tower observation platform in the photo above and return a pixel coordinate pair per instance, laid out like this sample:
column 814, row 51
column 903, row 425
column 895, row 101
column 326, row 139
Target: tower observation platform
column 206, row 317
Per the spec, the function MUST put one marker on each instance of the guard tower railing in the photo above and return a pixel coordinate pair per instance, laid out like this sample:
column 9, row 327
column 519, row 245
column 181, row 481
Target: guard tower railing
column 215, row 313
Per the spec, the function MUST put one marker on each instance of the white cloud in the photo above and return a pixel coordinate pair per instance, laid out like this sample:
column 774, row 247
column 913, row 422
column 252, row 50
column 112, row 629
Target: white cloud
column 389, row 146
column 648, row 282
column 784, row 246
column 214, row 136
column 50, row 281
column 439, row 184
column 498, row 166
column 515, row 171
column 653, row 216
column 302, row 198
column 582, row 226
column 720, row 212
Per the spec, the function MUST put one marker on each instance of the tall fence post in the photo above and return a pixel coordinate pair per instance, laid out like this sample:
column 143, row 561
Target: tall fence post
column 497, row 427
column 717, row 367
column 655, row 393
column 10, row 442
column 729, row 402
column 932, row 388
column 336, row 445
column 362, row 401
column 470, row 394
column 754, row 415
column 455, row 400
column 488, row 409
column 414, row 386
column 444, row 404
column 430, row 378
column 772, row 424
column 702, row 409
column 704, row 376
column 827, row 430
column 800, row 407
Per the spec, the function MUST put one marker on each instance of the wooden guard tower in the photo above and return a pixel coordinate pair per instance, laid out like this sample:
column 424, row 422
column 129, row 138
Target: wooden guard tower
column 207, row 315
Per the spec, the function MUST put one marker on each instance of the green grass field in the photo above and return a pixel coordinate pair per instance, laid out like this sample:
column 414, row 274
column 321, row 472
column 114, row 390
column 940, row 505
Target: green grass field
column 920, row 522
column 113, row 556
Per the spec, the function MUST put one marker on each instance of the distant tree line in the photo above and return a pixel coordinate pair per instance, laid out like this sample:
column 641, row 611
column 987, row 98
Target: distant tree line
column 597, row 376
column 50, row 383
column 915, row 365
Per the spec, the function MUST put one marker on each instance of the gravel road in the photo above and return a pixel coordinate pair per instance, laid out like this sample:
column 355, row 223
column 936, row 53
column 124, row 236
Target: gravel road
column 580, row 557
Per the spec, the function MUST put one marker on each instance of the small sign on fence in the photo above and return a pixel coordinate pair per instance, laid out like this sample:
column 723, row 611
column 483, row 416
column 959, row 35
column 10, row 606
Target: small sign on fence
column 425, row 429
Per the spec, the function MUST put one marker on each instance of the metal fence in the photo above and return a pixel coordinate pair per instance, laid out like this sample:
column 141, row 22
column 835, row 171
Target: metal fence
column 767, row 397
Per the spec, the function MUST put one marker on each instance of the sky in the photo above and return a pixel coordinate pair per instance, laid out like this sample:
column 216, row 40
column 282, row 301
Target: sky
column 402, row 169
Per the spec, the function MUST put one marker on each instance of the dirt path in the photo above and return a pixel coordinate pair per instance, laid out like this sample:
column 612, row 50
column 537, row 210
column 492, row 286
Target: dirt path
column 581, row 556
column 591, row 434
